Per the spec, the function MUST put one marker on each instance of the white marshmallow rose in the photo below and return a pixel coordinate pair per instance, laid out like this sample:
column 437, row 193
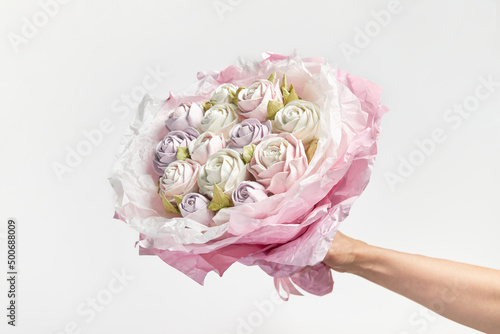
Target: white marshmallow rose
column 205, row 145
column 223, row 94
column 300, row 118
column 226, row 169
column 220, row 119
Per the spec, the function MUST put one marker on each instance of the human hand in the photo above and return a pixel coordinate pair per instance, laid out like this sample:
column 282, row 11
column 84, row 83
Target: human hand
column 343, row 255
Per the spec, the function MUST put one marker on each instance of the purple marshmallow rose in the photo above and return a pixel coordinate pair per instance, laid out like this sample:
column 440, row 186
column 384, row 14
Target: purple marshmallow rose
column 185, row 115
column 248, row 192
column 166, row 150
column 250, row 131
column 194, row 206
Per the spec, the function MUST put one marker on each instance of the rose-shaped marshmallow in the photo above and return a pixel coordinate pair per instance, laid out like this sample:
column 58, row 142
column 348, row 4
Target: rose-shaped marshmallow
column 250, row 131
column 166, row 150
column 205, row 145
column 278, row 162
column 300, row 118
column 226, row 169
column 194, row 206
column 220, row 119
column 223, row 94
column 179, row 179
column 184, row 116
column 252, row 101
column 248, row 192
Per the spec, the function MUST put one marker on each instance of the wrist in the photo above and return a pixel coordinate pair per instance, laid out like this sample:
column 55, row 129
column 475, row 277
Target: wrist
column 361, row 258
column 347, row 254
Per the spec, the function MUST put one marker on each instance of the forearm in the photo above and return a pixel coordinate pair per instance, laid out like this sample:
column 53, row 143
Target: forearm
column 463, row 293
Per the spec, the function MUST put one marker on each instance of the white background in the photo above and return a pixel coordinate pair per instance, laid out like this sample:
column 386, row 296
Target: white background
column 73, row 72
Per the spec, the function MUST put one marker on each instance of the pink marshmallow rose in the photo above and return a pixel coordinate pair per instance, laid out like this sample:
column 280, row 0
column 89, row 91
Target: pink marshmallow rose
column 252, row 101
column 179, row 179
column 184, row 116
column 278, row 162
column 205, row 145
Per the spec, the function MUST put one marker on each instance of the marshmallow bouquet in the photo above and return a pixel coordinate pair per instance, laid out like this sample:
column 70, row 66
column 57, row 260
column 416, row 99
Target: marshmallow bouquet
column 257, row 164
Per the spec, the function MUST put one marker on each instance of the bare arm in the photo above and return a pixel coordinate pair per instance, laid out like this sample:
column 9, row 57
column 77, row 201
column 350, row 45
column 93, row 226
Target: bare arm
column 464, row 293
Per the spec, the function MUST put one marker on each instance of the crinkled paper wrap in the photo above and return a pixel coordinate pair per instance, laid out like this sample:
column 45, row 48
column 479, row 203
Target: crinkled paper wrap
column 287, row 235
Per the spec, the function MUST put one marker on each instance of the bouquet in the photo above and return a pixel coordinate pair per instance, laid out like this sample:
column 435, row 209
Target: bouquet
column 258, row 163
